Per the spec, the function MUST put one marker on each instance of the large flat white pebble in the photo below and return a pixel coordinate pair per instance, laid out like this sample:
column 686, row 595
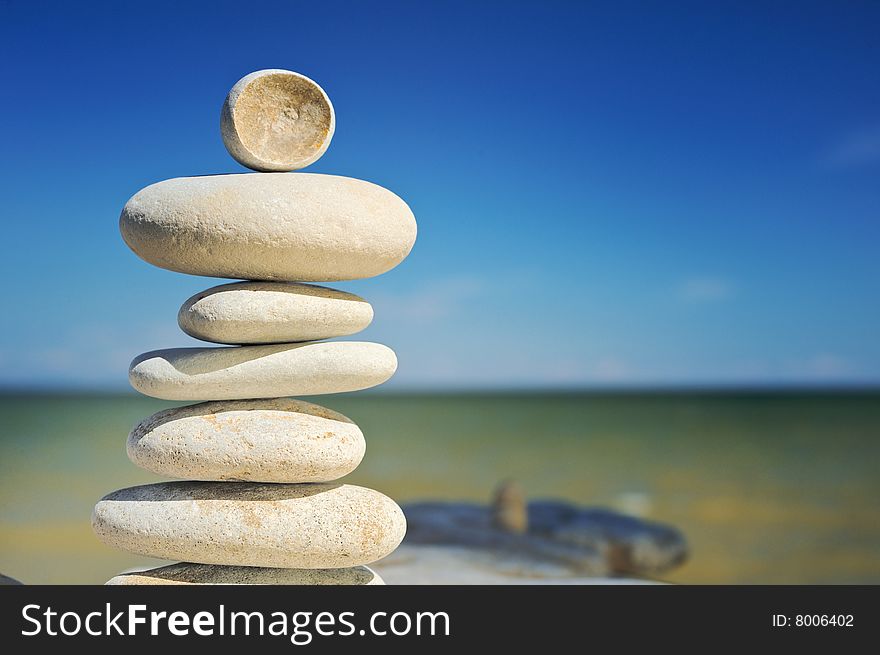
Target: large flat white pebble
column 275, row 440
column 262, row 371
column 299, row 227
column 272, row 312
column 300, row 526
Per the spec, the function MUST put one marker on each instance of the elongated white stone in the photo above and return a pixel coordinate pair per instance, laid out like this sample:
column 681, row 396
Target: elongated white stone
column 276, row 440
column 211, row 574
column 302, row 526
column 272, row 312
column 297, row 227
column 262, row 371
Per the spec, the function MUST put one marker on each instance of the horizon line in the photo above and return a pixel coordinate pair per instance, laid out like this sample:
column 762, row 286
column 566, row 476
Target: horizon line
column 621, row 388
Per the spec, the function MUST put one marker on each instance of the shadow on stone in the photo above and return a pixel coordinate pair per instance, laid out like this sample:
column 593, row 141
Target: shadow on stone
column 219, row 491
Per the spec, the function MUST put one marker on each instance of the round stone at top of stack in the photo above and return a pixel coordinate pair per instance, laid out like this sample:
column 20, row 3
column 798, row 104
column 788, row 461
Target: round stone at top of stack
column 293, row 369
column 272, row 312
column 277, row 120
column 296, row 227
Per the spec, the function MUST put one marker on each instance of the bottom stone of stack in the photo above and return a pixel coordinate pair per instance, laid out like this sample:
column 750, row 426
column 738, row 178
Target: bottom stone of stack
column 209, row 574
column 288, row 526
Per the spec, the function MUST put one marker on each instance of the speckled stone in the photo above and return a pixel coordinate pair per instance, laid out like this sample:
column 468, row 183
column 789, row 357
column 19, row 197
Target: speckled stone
column 276, row 440
column 298, row 227
column 262, row 371
column 211, row 574
column 272, row 312
column 277, row 120
column 300, row 526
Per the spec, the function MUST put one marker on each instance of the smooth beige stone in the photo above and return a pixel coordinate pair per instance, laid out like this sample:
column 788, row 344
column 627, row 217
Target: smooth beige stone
column 272, row 312
column 276, row 440
column 509, row 508
column 277, row 120
column 262, row 371
column 212, row 574
column 298, row 526
column 298, row 227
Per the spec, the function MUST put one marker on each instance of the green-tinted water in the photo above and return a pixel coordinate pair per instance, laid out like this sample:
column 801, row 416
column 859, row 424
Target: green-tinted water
column 769, row 488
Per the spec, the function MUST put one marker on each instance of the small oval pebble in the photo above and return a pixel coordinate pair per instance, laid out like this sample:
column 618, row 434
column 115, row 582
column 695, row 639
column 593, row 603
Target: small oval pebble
column 262, row 371
column 211, row 574
column 276, row 440
column 272, row 312
column 300, row 227
column 277, row 120
column 300, row 526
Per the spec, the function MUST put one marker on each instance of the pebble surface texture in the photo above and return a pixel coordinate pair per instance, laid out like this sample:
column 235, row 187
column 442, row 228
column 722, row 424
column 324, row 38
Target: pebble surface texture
column 269, row 226
column 257, row 503
column 209, row 574
column 303, row 526
column 277, row 120
column 272, row 312
column 261, row 371
column 276, row 440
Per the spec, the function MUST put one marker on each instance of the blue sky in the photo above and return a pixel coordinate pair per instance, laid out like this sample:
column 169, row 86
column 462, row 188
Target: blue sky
column 610, row 193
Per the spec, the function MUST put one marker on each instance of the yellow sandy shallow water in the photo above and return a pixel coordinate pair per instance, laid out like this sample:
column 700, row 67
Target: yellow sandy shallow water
column 768, row 488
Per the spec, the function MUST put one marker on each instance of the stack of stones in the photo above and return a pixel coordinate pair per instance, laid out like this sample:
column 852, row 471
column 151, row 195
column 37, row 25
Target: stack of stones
column 259, row 504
